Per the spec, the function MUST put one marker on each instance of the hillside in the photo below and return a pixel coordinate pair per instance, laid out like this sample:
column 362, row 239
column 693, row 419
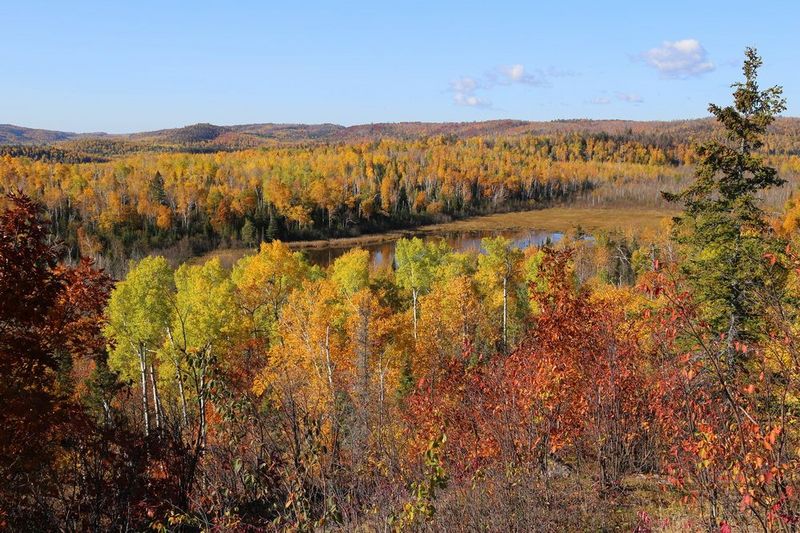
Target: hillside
column 10, row 134
column 269, row 133
column 58, row 146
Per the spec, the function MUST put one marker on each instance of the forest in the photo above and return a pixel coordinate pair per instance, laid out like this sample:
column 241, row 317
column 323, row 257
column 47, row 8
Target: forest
column 113, row 200
column 628, row 381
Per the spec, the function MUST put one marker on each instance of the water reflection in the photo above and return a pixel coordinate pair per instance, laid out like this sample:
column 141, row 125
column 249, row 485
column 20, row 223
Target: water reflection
column 382, row 254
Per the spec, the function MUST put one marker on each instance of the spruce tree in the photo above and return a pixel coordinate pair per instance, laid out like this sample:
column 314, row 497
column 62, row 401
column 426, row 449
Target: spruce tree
column 272, row 228
column 723, row 232
column 248, row 233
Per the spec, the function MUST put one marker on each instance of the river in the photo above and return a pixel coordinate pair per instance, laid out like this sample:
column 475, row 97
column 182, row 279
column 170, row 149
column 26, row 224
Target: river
column 466, row 234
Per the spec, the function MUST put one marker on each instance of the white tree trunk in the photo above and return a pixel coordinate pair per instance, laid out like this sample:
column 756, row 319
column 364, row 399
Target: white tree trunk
column 156, row 397
column 414, row 300
column 145, row 403
column 505, row 313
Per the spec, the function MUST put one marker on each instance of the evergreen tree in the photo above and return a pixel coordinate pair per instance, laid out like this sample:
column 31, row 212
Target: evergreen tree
column 722, row 230
column 248, row 233
column 402, row 207
column 272, row 228
column 156, row 191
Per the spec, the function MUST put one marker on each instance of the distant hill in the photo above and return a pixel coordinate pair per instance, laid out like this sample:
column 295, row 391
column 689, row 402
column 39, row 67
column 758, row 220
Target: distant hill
column 240, row 135
column 511, row 128
column 187, row 134
column 210, row 137
column 10, row 134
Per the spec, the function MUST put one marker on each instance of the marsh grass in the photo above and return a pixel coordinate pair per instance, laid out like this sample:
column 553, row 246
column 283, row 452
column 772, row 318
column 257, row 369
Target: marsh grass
column 562, row 219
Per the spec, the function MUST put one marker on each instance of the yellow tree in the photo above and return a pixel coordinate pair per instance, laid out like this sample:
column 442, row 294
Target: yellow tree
column 309, row 369
column 499, row 272
column 264, row 281
column 204, row 324
column 138, row 315
column 417, row 262
column 452, row 323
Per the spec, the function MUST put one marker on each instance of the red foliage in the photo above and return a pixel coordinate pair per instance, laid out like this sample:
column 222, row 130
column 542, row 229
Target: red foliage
column 29, row 289
column 51, row 313
column 578, row 385
column 726, row 449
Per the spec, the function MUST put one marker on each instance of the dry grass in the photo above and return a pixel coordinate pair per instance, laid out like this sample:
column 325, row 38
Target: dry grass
column 495, row 502
column 561, row 219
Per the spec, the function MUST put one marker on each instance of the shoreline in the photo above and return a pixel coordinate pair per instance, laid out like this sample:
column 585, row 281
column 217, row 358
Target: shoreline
column 555, row 219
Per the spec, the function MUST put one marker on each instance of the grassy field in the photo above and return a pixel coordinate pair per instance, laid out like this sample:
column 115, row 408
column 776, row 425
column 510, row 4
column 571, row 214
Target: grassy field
column 555, row 219
column 561, row 219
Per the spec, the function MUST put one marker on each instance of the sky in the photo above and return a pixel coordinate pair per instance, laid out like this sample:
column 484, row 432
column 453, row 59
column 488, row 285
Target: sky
column 119, row 67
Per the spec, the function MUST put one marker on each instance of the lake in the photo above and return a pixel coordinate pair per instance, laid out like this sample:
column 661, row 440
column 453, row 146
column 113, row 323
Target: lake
column 382, row 254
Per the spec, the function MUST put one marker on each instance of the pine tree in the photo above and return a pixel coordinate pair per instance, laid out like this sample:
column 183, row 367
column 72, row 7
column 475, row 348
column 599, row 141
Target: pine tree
column 272, row 228
column 156, row 191
column 722, row 229
column 248, row 233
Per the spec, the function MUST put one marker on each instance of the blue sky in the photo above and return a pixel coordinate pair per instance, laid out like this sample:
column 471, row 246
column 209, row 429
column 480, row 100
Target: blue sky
column 132, row 66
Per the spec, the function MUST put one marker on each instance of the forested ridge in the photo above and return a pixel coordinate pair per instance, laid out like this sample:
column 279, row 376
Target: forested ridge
column 633, row 381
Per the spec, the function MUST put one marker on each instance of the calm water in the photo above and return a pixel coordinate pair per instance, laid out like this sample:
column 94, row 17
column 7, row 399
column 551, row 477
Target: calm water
column 383, row 254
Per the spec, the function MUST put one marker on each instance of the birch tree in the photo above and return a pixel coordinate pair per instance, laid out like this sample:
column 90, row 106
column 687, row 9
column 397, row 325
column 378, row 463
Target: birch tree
column 138, row 315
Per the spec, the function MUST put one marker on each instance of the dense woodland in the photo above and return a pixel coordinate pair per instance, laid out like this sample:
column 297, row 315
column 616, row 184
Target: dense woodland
column 116, row 199
column 133, row 204
column 634, row 381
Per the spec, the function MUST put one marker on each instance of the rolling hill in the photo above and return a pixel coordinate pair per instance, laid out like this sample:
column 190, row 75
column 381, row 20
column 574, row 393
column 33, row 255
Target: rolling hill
column 209, row 137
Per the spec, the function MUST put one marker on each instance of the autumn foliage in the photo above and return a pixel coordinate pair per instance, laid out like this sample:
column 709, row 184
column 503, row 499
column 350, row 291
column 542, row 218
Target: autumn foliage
column 623, row 381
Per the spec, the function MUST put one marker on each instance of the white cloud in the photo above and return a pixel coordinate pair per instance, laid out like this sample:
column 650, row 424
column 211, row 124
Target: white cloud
column 464, row 89
column 515, row 72
column 464, row 85
column 679, row 59
column 510, row 74
column 631, row 98
column 470, row 100
column 604, row 99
